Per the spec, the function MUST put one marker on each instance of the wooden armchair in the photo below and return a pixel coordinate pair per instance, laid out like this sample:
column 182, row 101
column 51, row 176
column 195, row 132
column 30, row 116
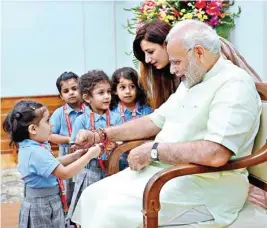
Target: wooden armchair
column 257, row 162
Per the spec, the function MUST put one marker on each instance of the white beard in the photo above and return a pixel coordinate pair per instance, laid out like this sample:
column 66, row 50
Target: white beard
column 194, row 73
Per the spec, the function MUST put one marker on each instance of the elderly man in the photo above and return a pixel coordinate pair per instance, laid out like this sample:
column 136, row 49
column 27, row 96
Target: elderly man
column 211, row 118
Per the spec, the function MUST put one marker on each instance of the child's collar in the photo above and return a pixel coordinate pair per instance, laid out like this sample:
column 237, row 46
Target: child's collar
column 137, row 105
column 30, row 142
column 98, row 116
column 70, row 109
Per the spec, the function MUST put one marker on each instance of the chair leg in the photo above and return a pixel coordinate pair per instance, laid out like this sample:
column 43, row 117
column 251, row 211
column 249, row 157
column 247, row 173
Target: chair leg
column 15, row 154
column 150, row 222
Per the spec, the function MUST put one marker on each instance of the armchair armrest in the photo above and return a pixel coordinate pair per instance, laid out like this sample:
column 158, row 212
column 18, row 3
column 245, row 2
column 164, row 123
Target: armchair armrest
column 113, row 163
column 262, row 90
column 151, row 204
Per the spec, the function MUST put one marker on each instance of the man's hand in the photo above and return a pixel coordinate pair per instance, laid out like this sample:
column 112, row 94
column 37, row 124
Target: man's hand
column 139, row 157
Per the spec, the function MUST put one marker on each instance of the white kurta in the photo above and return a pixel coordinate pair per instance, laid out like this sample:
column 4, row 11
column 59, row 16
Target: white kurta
column 224, row 108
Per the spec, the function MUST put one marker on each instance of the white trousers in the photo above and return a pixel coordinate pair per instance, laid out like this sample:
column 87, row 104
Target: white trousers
column 116, row 201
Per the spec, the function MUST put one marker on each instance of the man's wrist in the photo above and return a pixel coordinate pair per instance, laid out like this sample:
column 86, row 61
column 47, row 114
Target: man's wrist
column 101, row 136
column 96, row 138
column 154, row 154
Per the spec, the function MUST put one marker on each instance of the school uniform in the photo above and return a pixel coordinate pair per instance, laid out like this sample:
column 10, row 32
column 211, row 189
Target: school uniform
column 126, row 115
column 92, row 172
column 62, row 121
column 41, row 206
column 59, row 122
column 139, row 111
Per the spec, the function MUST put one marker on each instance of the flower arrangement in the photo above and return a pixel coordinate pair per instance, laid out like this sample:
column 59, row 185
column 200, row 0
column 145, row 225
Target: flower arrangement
column 213, row 12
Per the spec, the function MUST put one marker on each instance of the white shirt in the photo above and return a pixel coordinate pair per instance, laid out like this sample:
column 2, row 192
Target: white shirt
column 224, row 108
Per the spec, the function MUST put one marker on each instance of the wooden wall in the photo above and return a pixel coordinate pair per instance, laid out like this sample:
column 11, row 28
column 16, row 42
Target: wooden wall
column 8, row 154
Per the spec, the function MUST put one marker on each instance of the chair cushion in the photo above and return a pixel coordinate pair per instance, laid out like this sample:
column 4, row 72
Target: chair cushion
column 260, row 171
column 257, row 196
column 250, row 216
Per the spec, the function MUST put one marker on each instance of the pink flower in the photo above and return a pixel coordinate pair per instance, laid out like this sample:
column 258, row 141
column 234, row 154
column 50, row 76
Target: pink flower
column 213, row 9
column 150, row 4
column 200, row 4
column 213, row 21
column 139, row 26
column 218, row 2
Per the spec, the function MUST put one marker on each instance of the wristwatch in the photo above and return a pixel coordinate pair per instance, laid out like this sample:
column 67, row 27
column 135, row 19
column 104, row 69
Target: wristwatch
column 154, row 152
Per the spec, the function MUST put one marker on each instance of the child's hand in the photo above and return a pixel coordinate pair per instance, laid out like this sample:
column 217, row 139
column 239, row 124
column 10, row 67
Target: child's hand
column 78, row 147
column 96, row 150
column 80, row 152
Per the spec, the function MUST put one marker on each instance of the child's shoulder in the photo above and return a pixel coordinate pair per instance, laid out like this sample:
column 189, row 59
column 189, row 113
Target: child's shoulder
column 144, row 108
column 115, row 108
column 114, row 113
column 28, row 147
column 87, row 109
column 82, row 117
column 58, row 111
column 115, row 117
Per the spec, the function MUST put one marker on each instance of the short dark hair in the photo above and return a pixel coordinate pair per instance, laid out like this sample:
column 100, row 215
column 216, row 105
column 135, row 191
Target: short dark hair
column 130, row 74
column 88, row 81
column 24, row 113
column 64, row 77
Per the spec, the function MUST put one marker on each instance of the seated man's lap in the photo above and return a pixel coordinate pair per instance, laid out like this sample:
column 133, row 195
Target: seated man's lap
column 122, row 193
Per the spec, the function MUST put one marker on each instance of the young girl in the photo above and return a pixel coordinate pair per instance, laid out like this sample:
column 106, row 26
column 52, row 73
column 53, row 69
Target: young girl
column 128, row 99
column 95, row 89
column 29, row 128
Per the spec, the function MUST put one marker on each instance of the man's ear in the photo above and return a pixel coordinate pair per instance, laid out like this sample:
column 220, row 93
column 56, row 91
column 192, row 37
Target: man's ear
column 86, row 98
column 199, row 53
column 32, row 129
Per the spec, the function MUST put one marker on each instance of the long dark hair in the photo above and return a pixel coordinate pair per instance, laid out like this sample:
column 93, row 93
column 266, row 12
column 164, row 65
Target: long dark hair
column 17, row 121
column 160, row 82
column 130, row 74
